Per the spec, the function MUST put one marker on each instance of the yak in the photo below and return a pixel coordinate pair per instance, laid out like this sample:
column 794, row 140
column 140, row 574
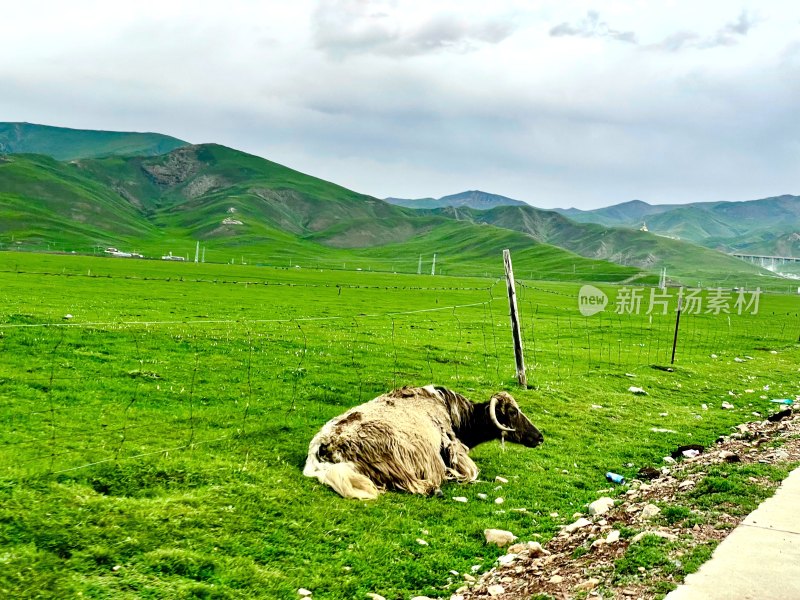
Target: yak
column 412, row 439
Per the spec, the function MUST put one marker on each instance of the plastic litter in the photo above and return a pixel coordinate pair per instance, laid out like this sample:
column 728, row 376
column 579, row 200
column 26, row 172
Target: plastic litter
column 615, row 477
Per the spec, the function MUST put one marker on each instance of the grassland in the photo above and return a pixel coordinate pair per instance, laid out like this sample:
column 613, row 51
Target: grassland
column 151, row 445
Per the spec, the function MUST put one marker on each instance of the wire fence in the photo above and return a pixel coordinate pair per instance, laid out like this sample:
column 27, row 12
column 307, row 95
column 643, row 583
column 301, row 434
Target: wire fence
column 74, row 395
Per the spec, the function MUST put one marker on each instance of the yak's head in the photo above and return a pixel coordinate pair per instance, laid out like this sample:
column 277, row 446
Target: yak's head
column 513, row 424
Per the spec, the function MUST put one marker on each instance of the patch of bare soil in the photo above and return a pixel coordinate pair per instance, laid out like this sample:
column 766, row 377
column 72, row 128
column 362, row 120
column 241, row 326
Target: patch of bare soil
column 582, row 560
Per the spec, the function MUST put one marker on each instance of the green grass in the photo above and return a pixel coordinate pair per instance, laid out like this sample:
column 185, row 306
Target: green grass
column 152, row 445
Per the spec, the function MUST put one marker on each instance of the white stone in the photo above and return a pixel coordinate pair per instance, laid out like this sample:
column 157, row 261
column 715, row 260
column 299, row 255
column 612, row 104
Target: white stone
column 496, row 590
column 661, row 534
column 650, row 511
column 499, row 537
column 556, row 579
column 457, row 597
column 580, row 523
column 422, row 542
column 601, row 505
column 499, row 500
column 637, row 390
column 372, row 596
column 613, row 536
column 499, row 479
column 482, row 496
column 727, row 405
column 506, row 559
column 459, row 499
column 304, row 592
column 669, row 460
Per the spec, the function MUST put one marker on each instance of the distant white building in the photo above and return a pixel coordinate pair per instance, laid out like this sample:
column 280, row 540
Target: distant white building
column 643, row 227
column 171, row 257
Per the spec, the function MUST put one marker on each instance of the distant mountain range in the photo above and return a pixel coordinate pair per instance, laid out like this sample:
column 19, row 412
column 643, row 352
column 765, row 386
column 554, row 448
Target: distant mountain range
column 471, row 199
column 769, row 226
column 102, row 192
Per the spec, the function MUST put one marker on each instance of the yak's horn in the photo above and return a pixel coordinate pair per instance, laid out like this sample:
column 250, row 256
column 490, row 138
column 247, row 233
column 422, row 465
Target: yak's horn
column 493, row 415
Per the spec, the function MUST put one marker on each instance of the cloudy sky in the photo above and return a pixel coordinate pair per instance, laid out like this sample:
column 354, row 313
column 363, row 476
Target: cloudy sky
column 555, row 102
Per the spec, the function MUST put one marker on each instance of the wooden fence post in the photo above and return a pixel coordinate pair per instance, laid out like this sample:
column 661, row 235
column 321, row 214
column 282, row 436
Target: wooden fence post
column 515, row 330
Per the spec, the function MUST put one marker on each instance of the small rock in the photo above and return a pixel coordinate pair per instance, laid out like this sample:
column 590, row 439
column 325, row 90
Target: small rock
column 457, row 597
column 737, row 359
column 482, row 496
column 589, row 584
column 649, row 473
column 372, row 596
column 535, row 549
column 601, row 505
column 637, row 390
column 598, row 542
column 553, row 515
column 460, row 499
column 729, row 457
column 304, row 593
column 67, row 316
column 556, row 579
column 422, row 542
column 727, row 406
column 714, row 356
column 499, row 479
column 580, row 523
column 661, row 534
column 686, row 484
column 704, row 406
column 496, row 590
column 499, row 500
column 499, row 537
column 116, row 568
column 470, row 578
column 650, row 511
column 613, row 536
column 506, row 559
column 669, row 460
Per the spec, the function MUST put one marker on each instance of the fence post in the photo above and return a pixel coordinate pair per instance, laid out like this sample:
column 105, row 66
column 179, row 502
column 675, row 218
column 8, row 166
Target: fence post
column 515, row 331
column 677, row 322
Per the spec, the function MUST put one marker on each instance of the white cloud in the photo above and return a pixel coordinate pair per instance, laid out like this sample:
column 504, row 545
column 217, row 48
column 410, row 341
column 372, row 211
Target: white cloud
column 405, row 98
column 346, row 27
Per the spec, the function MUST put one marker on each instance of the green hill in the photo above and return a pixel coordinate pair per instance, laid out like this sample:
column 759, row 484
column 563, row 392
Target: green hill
column 728, row 226
column 62, row 143
column 241, row 207
column 619, row 245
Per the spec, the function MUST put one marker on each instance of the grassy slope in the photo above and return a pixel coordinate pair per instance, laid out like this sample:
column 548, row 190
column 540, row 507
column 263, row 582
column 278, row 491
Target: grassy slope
column 62, row 143
column 286, row 217
column 38, row 195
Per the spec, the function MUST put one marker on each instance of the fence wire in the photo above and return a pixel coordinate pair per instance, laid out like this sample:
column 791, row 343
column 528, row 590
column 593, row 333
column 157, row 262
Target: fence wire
column 75, row 395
